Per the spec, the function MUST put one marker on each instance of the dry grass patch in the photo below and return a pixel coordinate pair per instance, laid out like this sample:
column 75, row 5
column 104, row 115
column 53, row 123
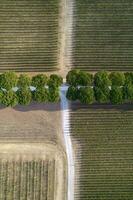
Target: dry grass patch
column 32, row 172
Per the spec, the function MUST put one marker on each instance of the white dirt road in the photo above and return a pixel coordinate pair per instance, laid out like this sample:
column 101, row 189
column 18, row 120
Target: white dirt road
column 68, row 143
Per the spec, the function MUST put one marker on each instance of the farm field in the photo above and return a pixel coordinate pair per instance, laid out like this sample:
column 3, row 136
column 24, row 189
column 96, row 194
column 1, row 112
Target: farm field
column 102, row 35
column 33, row 123
column 33, row 175
column 28, row 171
column 29, row 35
column 32, row 154
column 103, row 148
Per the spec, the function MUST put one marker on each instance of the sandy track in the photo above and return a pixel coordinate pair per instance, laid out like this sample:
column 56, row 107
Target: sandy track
column 66, row 35
column 68, row 143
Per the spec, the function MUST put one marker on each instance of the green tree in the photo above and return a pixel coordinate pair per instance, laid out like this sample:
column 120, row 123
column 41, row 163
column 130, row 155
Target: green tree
column 101, row 79
column 55, row 81
column 39, row 80
column 102, row 95
column 128, row 92
column 72, row 77
column 86, row 95
column 24, row 81
column 72, row 93
column 41, row 95
column 1, row 96
column 54, row 96
column 117, row 78
column 24, row 96
column 116, row 95
column 84, row 78
column 9, row 98
column 8, row 80
column 129, row 78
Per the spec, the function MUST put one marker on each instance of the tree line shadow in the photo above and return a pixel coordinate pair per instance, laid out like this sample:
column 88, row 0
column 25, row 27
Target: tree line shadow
column 33, row 106
column 52, row 107
column 97, row 106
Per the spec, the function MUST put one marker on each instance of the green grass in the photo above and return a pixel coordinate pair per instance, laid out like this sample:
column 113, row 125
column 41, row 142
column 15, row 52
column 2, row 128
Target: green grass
column 104, row 154
column 103, row 36
column 29, row 35
column 26, row 180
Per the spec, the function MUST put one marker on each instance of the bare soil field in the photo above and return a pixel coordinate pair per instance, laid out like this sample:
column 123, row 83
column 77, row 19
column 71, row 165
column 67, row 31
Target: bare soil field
column 32, row 147
column 33, row 123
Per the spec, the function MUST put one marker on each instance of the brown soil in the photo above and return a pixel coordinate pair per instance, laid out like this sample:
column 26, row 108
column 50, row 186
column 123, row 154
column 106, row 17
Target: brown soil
column 33, row 132
column 33, row 123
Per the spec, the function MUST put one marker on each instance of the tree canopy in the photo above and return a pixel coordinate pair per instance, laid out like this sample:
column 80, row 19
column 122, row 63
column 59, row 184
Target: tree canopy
column 72, row 93
column 84, row 79
column 129, row 78
column 39, row 80
column 101, row 79
column 79, row 78
column 41, row 95
column 53, row 96
column 24, row 81
column 55, row 81
column 72, row 77
column 116, row 95
column 1, row 96
column 24, row 96
column 117, row 78
column 86, row 95
column 8, row 80
column 128, row 92
column 9, row 98
column 104, row 87
column 102, row 95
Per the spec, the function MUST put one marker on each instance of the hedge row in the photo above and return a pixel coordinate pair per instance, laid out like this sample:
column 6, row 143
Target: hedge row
column 17, row 89
column 103, row 87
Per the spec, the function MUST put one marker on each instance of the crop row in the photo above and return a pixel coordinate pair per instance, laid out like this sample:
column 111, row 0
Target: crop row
column 103, row 163
column 29, row 35
column 22, row 180
column 102, row 35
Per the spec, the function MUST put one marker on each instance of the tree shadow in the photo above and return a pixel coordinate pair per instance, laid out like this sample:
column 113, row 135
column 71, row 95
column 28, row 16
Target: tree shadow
column 36, row 106
column 96, row 106
column 52, row 107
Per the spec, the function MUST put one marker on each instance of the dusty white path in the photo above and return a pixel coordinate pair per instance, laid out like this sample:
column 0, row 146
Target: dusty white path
column 66, row 25
column 68, row 143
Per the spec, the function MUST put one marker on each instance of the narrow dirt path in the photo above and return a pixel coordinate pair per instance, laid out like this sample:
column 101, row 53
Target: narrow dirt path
column 68, row 143
column 66, row 24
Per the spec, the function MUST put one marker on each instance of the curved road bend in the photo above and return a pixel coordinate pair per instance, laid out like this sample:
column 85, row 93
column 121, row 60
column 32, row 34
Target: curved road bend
column 67, row 138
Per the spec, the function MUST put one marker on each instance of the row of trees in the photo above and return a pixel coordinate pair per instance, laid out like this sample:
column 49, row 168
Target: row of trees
column 17, row 89
column 100, row 79
column 103, row 87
